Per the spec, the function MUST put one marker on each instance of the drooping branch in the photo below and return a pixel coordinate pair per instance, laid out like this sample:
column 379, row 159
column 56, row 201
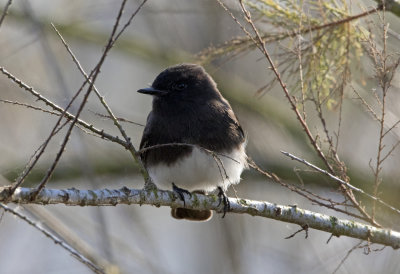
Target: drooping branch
column 95, row 268
column 290, row 214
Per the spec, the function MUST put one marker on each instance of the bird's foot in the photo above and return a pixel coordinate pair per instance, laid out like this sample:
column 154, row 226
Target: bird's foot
column 149, row 186
column 223, row 199
column 181, row 192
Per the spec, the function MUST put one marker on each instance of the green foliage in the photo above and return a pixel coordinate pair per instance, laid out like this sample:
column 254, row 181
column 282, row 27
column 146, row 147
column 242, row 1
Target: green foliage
column 311, row 33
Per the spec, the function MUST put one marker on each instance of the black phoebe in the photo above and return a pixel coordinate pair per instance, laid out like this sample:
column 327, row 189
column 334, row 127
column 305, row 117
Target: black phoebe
column 188, row 108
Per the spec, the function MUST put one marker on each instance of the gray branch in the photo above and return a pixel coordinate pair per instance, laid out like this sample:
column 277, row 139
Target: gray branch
column 155, row 197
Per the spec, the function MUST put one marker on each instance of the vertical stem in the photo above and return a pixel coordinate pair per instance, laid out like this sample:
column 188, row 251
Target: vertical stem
column 384, row 86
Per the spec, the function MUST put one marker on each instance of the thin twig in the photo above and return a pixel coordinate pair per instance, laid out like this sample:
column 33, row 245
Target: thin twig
column 259, row 41
column 29, row 168
column 101, row 98
column 303, row 228
column 5, row 10
column 29, row 106
column 43, row 147
column 369, row 108
column 118, row 118
column 347, row 255
column 56, row 240
column 340, row 180
column 331, row 202
column 93, row 75
column 128, row 22
column 100, row 134
column 390, row 151
column 35, row 153
column 384, row 84
column 261, row 45
column 238, row 22
column 301, row 74
column 41, row 151
column 59, row 109
column 391, row 128
column 302, row 191
column 346, row 76
column 68, row 235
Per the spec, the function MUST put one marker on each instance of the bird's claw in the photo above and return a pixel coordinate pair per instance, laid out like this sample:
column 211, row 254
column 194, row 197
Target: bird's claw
column 223, row 199
column 181, row 192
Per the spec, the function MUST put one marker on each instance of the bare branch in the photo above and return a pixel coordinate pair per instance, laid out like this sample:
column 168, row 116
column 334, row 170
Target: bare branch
column 93, row 76
column 53, row 222
column 76, row 254
column 305, row 193
column 29, row 106
column 303, row 228
column 369, row 108
column 101, row 98
column 79, row 123
column 391, row 128
column 118, row 118
column 340, row 181
column 347, row 255
column 59, row 109
column 5, row 10
column 389, row 152
column 290, row 214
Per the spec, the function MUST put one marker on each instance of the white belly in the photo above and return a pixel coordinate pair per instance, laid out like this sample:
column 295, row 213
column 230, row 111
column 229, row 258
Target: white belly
column 200, row 171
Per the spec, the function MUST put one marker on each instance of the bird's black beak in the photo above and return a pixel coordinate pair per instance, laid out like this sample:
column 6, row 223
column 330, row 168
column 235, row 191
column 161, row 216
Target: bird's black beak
column 152, row 91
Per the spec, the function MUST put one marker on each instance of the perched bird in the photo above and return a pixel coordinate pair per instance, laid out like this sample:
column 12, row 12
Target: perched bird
column 189, row 109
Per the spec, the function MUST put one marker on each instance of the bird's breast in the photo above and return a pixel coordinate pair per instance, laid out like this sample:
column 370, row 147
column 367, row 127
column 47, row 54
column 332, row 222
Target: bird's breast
column 201, row 170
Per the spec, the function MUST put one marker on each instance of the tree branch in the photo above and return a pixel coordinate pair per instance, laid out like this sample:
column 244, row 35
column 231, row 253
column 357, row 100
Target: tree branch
column 5, row 11
column 290, row 214
column 80, row 257
column 293, row 157
column 67, row 115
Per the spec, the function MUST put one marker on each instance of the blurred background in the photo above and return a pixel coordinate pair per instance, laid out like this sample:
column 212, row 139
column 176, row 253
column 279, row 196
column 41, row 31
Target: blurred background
column 144, row 239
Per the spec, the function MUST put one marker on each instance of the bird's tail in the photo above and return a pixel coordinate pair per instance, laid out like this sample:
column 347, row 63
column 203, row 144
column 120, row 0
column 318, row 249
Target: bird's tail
column 191, row 214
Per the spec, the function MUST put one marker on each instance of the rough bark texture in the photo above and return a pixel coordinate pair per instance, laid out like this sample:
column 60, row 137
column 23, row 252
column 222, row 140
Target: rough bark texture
column 290, row 214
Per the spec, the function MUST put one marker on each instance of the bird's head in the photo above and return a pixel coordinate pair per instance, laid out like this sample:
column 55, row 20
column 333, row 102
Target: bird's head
column 183, row 82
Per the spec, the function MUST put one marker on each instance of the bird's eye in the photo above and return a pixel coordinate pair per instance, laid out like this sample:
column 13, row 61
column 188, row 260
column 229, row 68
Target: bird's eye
column 179, row 86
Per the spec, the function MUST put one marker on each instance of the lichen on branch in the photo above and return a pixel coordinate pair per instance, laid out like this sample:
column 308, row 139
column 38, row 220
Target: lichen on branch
column 156, row 197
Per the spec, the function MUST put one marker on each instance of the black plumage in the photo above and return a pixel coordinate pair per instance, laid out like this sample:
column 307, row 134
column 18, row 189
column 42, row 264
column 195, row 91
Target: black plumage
column 196, row 114
column 189, row 109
